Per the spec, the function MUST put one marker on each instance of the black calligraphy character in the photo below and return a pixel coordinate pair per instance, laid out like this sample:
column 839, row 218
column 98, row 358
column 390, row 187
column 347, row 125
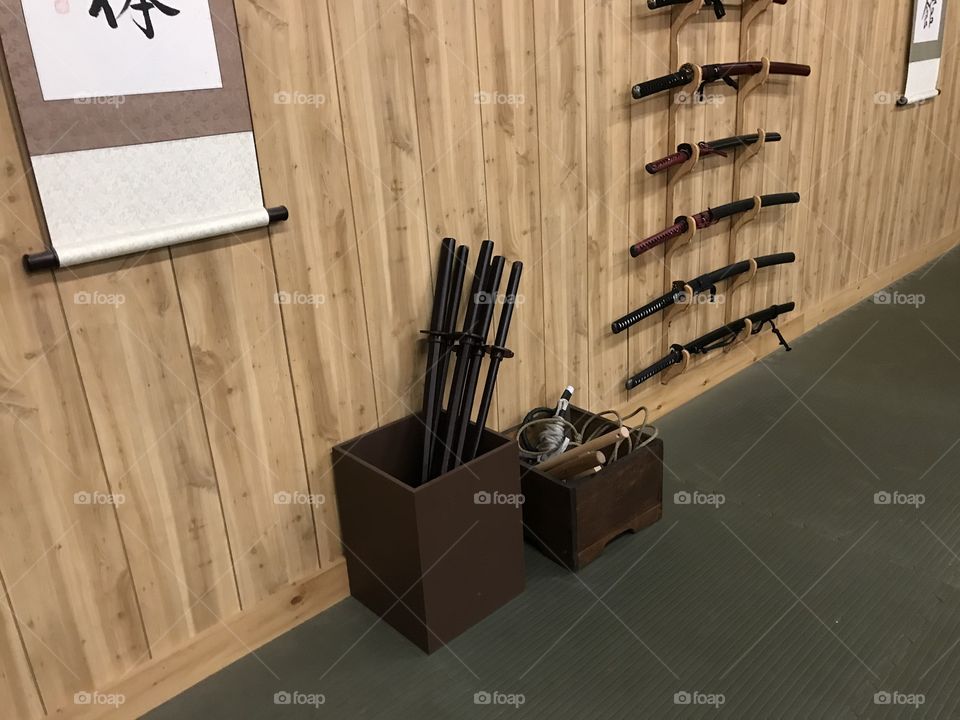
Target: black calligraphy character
column 145, row 6
column 929, row 13
column 99, row 6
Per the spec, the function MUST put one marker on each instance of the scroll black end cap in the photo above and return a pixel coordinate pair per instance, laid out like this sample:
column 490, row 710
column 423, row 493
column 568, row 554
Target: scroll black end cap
column 278, row 214
column 902, row 101
column 46, row 260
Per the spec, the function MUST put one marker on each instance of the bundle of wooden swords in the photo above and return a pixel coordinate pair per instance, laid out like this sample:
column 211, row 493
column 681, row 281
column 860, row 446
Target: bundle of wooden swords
column 449, row 444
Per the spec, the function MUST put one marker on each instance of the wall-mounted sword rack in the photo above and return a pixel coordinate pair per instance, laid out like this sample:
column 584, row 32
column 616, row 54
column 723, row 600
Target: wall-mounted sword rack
column 451, row 437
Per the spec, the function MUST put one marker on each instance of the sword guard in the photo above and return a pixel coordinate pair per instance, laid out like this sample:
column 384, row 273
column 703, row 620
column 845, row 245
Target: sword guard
column 498, row 352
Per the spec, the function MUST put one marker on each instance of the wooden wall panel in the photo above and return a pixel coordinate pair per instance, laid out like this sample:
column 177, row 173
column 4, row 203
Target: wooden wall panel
column 63, row 563
column 506, row 50
column 135, row 363
column 608, row 121
column 234, row 365
column 561, row 110
column 228, row 293
column 372, row 51
column 304, row 163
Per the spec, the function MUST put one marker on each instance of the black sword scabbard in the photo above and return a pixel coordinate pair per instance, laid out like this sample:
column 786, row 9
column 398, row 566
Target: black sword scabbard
column 463, row 356
column 441, row 298
column 485, row 319
column 497, row 352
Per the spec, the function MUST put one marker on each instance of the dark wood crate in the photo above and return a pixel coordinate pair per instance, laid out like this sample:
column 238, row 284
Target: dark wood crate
column 434, row 560
column 572, row 522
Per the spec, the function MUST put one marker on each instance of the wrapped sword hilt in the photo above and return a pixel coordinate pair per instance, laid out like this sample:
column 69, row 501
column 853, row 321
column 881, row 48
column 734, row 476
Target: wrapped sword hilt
column 683, row 76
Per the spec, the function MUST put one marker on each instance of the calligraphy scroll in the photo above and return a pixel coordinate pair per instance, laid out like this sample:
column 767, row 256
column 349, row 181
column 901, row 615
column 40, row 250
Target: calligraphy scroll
column 926, row 47
column 137, row 123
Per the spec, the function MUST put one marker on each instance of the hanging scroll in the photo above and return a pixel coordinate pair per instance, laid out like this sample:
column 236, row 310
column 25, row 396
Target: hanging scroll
column 136, row 120
column 926, row 47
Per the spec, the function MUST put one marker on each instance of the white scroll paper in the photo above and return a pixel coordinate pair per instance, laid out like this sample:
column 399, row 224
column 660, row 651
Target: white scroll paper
column 926, row 46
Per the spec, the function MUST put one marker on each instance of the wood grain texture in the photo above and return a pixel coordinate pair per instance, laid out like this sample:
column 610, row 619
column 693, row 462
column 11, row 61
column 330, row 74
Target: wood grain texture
column 506, row 50
column 304, row 163
column 561, row 110
column 234, row 365
column 135, row 362
column 375, row 78
column 63, row 565
column 228, row 293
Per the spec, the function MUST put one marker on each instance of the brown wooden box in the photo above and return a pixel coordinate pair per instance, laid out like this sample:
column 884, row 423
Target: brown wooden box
column 450, row 557
column 572, row 522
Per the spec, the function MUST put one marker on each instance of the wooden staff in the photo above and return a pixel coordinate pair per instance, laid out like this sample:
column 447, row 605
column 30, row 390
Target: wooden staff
column 578, row 465
column 599, row 443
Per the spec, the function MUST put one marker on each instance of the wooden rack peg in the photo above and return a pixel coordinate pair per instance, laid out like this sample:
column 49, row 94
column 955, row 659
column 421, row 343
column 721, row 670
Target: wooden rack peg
column 688, row 165
column 675, row 370
column 742, row 336
column 750, row 150
column 674, row 245
column 684, row 15
column 679, row 307
column 754, row 10
column 748, row 216
column 755, row 81
column 742, row 280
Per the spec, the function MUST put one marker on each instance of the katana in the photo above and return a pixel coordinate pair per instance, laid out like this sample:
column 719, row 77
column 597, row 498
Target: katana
column 475, row 352
column 465, row 342
column 718, row 7
column 453, row 267
column 714, row 147
column 709, row 217
column 719, row 338
column 705, row 283
column 725, row 72
column 496, row 352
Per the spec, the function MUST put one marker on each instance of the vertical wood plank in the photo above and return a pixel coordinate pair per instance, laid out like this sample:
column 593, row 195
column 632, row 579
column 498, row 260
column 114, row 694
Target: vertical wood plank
column 228, row 294
column 375, row 79
column 62, row 561
column 608, row 120
column 507, row 65
column 561, row 106
column 135, row 363
column 303, row 163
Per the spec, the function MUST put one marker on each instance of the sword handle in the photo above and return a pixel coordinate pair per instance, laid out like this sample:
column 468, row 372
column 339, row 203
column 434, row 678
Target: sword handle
column 651, row 87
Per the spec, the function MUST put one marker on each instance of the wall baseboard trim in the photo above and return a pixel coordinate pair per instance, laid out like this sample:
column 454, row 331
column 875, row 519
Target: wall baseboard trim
column 158, row 680
column 722, row 367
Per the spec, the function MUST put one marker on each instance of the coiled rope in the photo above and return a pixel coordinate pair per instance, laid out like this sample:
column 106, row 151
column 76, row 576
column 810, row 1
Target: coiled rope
column 544, row 434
